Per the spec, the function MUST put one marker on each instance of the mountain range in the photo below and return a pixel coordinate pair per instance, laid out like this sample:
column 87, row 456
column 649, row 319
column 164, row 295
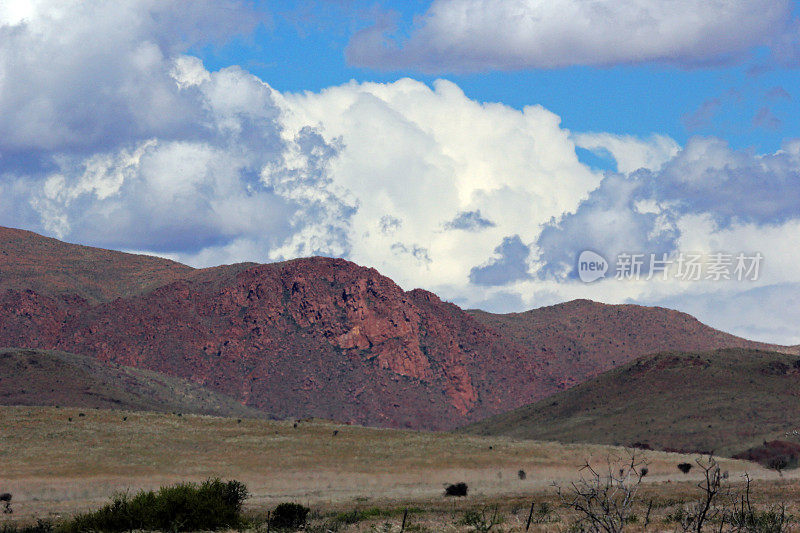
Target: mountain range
column 320, row 337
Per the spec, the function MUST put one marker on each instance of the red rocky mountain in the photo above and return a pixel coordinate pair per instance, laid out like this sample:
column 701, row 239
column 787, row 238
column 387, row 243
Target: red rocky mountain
column 317, row 337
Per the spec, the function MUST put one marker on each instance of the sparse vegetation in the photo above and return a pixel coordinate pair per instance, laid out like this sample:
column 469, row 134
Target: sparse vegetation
column 707, row 508
column 604, row 503
column 482, row 520
column 404, row 469
column 604, row 498
column 41, row 526
column 540, row 515
column 70, row 380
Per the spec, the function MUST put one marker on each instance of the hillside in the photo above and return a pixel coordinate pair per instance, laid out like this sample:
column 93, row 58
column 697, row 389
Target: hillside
column 46, row 378
column 51, row 267
column 318, row 337
column 311, row 337
column 724, row 401
column 581, row 339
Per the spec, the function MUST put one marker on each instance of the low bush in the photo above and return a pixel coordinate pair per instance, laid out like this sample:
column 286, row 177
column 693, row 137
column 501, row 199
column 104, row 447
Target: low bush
column 350, row 517
column 482, row 521
column 209, row 506
column 289, row 516
column 456, row 489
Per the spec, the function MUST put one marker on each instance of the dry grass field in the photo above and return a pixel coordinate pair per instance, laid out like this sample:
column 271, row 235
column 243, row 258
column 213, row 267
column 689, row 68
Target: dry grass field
column 55, row 466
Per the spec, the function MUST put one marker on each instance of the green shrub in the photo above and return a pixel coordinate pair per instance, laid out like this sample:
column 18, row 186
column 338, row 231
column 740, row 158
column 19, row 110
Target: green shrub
column 350, row 517
column 212, row 505
column 482, row 521
column 471, row 517
column 289, row 516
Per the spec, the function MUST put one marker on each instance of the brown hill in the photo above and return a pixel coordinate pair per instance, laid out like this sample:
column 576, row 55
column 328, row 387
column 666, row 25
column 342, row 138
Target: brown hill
column 724, row 401
column 320, row 337
column 36, row 377
column 49, row 266
column 581, row 339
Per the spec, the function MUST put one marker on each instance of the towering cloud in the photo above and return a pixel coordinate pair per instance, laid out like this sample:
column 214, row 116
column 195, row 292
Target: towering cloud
column 112, row 133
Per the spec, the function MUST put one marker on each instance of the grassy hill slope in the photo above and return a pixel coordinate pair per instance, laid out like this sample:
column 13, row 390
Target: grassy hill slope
column 37, row 377
column 723, row 401
column 582, row 338
column 49, row 266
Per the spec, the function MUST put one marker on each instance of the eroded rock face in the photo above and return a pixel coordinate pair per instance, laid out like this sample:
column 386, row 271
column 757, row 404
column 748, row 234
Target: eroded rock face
column 311, row 337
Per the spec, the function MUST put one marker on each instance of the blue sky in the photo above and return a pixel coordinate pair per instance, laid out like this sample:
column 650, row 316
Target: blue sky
column 301, row 47
column 475, row 148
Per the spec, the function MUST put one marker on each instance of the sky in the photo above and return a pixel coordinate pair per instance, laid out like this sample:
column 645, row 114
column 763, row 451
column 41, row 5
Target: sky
column 505, row 154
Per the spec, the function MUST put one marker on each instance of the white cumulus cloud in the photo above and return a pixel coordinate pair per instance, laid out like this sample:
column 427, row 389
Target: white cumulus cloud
column 433, row 162
column 112, row 135
column 476, row 35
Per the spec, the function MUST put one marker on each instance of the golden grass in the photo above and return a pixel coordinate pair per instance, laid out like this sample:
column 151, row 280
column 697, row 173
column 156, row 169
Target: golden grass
column 54, row 466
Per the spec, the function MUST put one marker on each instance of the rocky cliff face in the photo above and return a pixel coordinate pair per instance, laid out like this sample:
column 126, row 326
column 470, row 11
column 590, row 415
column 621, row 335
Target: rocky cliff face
column 311, row 337
column 315, row 337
